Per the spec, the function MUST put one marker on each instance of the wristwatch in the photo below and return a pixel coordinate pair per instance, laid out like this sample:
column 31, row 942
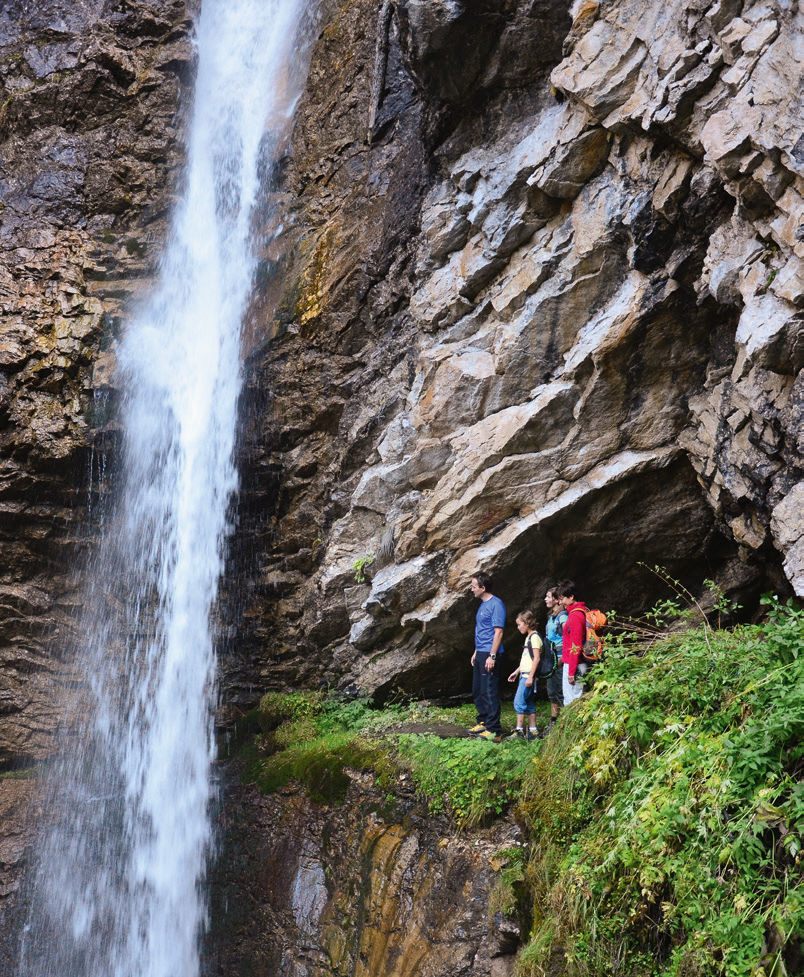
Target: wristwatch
column 493, row 658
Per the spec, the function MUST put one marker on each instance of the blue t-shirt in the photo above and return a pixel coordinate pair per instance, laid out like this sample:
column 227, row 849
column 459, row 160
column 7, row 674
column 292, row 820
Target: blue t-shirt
column 490, row 615
column 555, row 631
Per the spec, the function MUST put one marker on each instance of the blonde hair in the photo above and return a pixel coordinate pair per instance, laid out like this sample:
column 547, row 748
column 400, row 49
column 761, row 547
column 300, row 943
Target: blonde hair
column 528, row 618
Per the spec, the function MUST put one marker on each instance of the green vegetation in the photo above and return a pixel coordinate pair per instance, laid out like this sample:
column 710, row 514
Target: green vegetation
column 669, row 812
column 314, row 738
column 511, row 895
column 135, row 247
column 467, row 777
column 665, row 813
column 360, row 565
column 20, row 773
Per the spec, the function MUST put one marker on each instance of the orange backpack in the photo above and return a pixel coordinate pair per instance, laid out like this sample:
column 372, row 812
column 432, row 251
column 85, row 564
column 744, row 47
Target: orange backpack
column 592, row 649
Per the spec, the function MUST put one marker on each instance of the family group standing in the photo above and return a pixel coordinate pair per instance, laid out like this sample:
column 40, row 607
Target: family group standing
column 559, row 659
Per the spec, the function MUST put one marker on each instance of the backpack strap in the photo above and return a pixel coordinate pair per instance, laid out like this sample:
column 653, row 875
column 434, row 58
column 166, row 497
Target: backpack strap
column 582, row 612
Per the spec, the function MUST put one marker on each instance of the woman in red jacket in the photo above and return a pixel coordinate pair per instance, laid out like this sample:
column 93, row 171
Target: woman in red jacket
column 574, row 634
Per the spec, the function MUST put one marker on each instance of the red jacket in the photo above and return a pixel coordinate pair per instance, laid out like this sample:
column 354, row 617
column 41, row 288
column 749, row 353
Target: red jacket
column 574, row 635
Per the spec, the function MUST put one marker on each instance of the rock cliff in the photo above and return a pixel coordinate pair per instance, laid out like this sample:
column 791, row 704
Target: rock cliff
column 542, row 319
column 534, row 307
column 365, row 889
column 93, row 99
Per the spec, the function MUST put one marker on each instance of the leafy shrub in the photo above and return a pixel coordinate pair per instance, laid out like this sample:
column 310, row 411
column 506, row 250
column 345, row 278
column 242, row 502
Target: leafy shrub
column 361, row 564
column 679, row 842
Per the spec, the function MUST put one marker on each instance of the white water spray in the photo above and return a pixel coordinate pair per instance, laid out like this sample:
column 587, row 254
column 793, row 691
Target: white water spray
column 119, row 885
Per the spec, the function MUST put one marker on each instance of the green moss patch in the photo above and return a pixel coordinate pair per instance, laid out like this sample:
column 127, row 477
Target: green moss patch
column 314, row 739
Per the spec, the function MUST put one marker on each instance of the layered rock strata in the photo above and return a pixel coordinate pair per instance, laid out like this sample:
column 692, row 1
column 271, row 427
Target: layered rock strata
column 546, row 322
column 93, row 99
column 369, row 890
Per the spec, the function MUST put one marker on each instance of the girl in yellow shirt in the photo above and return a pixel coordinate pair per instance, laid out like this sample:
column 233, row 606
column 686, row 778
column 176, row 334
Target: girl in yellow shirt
column 525, row 698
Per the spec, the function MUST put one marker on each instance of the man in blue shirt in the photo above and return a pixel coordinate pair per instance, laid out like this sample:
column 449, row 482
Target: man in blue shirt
column 489, row 625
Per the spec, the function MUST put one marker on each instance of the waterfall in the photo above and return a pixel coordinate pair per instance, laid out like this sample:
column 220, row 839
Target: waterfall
column 119, row 883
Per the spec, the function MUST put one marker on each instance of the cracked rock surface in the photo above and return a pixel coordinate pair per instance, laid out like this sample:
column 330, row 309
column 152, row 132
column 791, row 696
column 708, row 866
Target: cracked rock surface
column 547, row 323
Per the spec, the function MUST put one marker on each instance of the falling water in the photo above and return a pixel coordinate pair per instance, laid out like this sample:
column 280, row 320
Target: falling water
column 119, row 887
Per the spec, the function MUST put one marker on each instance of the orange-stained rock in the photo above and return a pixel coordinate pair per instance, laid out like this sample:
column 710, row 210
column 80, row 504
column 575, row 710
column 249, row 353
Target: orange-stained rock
column 376, row 888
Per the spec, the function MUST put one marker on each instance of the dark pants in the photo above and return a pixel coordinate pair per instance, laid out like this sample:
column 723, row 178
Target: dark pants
column 555, row 687
column 486, row 692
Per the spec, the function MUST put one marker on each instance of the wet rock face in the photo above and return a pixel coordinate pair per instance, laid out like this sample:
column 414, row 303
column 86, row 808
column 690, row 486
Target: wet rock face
column 93, row 99
column 457, row 49
column 308, row 890
column 20, row 815
column 584, row 350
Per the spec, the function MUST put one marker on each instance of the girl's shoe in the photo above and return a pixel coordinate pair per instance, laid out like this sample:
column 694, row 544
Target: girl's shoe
column 532, row 734
column 518, row 734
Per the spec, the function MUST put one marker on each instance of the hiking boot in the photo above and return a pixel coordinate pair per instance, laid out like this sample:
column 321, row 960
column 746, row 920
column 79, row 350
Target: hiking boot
column 490, row 737
column 547, row 729
column 476, row 730
column 532, row 734
column 518, row 734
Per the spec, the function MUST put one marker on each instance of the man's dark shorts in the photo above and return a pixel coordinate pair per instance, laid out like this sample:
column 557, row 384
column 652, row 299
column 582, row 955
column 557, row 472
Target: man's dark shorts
column 555, row 691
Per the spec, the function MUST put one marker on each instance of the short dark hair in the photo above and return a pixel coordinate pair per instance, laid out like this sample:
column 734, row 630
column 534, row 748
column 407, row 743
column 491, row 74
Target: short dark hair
column 567, row 588
column 485, row 581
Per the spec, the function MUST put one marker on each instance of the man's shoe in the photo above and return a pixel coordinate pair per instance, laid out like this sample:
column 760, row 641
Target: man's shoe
column 518, row 734
column 476, row 730
column 489, row 736
column 532, row 734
